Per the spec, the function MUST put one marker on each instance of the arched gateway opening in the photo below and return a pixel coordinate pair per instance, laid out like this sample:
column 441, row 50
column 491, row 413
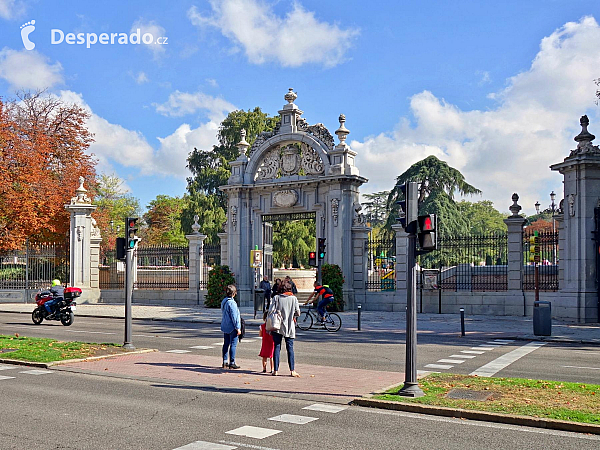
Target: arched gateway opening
column 295, row 172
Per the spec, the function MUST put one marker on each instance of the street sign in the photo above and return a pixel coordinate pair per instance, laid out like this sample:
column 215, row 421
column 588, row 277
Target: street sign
column 256, row 258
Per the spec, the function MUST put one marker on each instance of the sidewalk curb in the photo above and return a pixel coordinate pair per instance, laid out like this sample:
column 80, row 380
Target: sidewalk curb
column 17, row 362
column 575, row 427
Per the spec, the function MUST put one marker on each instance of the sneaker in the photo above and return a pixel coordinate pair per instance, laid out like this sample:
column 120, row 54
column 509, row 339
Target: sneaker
column 233, row 366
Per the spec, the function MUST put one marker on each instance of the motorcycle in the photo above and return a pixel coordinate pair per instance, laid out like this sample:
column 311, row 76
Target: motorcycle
column 62, row 310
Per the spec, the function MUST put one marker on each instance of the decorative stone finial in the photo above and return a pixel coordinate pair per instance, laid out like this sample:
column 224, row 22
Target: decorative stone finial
column 290, row 96
column 243, row 145
column 585, row 136
column 342, row 131
column 81, row 198
column 515, row 208
column 195, row 226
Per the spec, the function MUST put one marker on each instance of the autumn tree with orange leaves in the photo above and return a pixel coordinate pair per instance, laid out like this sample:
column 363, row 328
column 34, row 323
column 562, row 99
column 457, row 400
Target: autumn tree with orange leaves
column 43, row 144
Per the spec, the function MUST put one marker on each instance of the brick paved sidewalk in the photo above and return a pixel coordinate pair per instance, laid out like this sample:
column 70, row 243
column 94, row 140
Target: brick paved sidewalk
column 316, row 382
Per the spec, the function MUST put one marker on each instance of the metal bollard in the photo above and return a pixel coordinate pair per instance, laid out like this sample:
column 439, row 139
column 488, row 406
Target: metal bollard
column 462, row 321
column 359, row 310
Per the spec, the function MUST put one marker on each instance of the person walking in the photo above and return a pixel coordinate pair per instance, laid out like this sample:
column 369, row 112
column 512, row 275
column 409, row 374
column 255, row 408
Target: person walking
column 231, row 326
column 276, row 287
column 266, row 286
column 287, row 304
column 294, row 288
column 267, row 347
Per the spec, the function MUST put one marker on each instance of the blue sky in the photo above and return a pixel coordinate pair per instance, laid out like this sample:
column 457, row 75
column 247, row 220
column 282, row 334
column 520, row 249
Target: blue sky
column 496, row 89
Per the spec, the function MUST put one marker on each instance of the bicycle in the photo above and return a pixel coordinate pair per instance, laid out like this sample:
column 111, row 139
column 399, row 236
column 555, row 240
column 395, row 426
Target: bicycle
column 331, row 322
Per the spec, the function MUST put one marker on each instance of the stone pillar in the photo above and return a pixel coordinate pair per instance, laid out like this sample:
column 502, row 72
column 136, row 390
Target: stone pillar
column 196, row 259
column 224, row 254
column 84, row 236
column 515, row 304
column 360, row 261
column 401, row 264
column 581, row 171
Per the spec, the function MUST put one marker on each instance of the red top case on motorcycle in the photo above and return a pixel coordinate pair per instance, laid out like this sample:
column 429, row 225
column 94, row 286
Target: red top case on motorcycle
column 72, row 292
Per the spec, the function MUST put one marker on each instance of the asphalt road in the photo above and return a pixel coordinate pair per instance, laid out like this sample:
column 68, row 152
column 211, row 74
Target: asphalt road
column 62, row 410
column 346, row 349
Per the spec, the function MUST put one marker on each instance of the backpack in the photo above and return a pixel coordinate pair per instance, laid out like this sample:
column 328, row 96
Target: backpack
column 274, row 318
column 242, row 329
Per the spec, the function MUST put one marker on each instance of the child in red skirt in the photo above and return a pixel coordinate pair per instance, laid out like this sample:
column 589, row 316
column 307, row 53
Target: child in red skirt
column 266, row 350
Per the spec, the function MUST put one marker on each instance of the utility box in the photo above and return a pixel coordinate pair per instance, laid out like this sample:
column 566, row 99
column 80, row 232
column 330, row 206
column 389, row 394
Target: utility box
column 259, row 301
column 542, row 318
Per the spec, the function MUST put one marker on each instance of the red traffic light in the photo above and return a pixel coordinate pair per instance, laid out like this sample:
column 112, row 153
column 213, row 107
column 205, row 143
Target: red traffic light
column 312, row 255
column 427, row 224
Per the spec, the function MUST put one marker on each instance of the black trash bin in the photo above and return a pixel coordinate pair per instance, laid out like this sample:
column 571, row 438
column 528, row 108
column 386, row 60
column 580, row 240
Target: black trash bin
column 542, row 318
column 259, row 299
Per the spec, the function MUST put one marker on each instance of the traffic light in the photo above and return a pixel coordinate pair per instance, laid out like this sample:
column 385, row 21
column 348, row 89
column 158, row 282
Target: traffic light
column 121, row 243
column 312, row 259
column 321, row 248
column 408, row 207
column 427, row 232
column 130, row 231
column 534, row 247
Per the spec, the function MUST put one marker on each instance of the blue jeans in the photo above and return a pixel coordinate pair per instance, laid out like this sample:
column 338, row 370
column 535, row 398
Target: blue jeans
column 289, row 346
column 323, row 304
column 230, row 342
column 49, row 304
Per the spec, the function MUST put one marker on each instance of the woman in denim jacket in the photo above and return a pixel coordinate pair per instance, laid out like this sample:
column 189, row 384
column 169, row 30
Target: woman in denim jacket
column 231, row 327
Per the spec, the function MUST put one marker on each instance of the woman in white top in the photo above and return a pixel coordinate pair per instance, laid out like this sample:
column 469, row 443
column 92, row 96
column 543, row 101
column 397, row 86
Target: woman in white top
column 287, row 304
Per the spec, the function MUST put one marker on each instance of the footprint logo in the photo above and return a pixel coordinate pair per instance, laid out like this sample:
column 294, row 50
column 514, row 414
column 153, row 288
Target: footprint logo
column 26, row 30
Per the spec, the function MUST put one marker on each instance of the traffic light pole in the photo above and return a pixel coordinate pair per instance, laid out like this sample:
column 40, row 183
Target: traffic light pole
column 128, row 295
column 411, row 386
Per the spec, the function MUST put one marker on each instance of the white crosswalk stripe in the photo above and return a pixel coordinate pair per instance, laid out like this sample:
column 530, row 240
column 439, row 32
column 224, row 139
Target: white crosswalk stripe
column 36, row 372
column 504, row 341
column 323, row 407
column 253, row 432
column 439, row 366
column 451, row 361
column 178, row 351
column 202, row 347
column 503, row 361
column 472, row 352
column 7, row 367
column 2, row 377
column 203, row 445
column 483, row 347
column 292, row 418
column 463, row 356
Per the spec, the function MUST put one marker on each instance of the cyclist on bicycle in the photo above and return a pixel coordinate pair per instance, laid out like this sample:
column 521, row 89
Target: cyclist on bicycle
column 326, row 295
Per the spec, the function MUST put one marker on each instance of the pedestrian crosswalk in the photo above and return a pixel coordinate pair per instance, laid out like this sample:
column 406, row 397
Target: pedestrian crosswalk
column 14, row 370
column 260, row 433
column 452, row 360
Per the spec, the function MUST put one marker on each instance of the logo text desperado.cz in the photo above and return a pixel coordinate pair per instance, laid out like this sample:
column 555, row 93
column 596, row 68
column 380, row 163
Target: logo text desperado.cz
column 89, row 39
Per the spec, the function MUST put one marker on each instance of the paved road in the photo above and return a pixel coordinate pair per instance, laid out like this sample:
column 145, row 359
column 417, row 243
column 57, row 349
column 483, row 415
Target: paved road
column 55, row 409
column 372, row 350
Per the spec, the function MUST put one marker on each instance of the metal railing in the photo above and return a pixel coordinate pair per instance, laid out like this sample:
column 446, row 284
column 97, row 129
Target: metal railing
column 211, row 258
column 474, row 263
column 381, row 269
column 34, row 266
column 548, row 265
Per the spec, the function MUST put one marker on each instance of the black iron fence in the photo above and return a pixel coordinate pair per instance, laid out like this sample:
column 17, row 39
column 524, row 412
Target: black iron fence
column 548, row 265
column 211, row 258
column 473, row 263
column 158, row 267
column 34, row 266
column 381, row 269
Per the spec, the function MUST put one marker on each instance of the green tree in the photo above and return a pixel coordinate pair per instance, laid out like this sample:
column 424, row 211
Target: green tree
column 482, row 217
column 114, row 206
column 292, row 241
column 163, row 221
column 210, row 169
column 438, row 183
column 376, row 208
column 334, row 278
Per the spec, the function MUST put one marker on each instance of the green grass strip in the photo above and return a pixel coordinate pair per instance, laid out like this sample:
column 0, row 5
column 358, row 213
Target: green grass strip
column 47, row 350
column 577, row 402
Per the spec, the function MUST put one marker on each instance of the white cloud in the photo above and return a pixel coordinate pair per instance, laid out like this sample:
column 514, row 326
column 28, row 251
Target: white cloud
column 293, row 40
column 156, row 31
column 212, row 82
column 183, row 103
column 508, row 148
column 11, row 9
column 29, row 69
column 141, row 78
column 129, row 148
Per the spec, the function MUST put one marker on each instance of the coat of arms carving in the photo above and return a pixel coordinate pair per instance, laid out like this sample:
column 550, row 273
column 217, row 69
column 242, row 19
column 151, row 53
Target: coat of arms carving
column 290, row 160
